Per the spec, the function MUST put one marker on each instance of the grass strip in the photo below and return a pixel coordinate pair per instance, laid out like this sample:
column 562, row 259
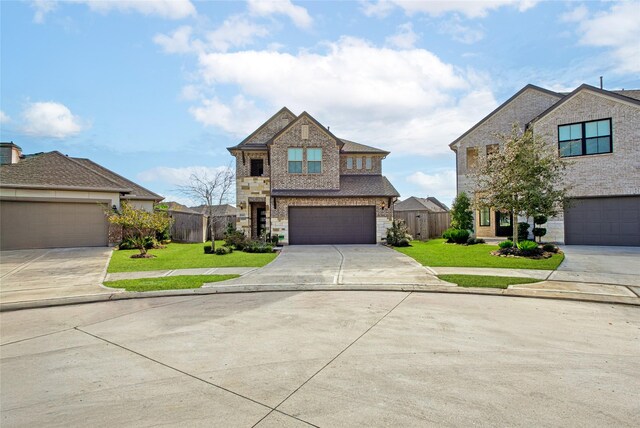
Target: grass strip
column 167, row 282
column 486, row 281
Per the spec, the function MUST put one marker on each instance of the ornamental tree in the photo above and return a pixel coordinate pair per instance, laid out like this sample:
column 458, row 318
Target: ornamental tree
column 525, row 178
column 461, row 214
column 139, row 225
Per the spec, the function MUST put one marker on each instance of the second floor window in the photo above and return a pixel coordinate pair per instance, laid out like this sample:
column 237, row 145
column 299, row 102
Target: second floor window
column 472, row 158
column 359, row 163
column 349, row 163
column 295, row 160
column 367, row 162
column 314, row 161
column 586, row 138
column 257, row 167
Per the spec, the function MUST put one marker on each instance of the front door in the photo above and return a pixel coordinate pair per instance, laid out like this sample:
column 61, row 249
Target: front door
column 262, row 220
column 504, row 225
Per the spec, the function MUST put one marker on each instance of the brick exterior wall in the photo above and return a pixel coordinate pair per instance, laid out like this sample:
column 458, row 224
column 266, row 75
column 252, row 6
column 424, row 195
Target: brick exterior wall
column 376, row 164
column 271, row 128
column 606, row 174
column 243, row 166
column 280, row 214
column 318, row 138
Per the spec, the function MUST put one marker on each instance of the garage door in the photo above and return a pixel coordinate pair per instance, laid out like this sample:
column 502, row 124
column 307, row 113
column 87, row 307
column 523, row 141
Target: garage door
column 603, row 221
column 51, row 224
column 332, row 225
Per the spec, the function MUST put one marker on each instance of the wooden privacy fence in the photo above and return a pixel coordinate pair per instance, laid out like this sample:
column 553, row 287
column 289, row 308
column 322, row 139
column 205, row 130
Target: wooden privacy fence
column 188, row 227
column 424, row 225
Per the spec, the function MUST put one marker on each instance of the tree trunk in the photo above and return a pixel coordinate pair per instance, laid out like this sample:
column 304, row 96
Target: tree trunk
column 514, row 217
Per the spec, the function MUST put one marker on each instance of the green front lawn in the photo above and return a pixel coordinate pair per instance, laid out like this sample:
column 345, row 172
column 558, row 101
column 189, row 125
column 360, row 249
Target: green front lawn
column 486, row 281
column 185, row 256
column 167, row 282
column 437, row 253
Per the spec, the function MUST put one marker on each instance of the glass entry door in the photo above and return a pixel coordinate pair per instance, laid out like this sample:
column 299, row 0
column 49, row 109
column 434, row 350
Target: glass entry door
column 504, row 225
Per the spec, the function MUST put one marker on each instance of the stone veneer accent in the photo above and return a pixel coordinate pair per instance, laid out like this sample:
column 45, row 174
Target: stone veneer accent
column 280, row 213
column 318, row 138
column 376, row 164
column 251, row 187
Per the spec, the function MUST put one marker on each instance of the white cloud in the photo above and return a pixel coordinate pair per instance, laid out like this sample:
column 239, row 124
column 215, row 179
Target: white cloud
column 404, row 100
column 405, row 38
column 179, row 41
column 618, row 30
column 441, row 184
column 4, row 118
column 177, row 176
column 235, row 31
column 298, row 14
column 576, row 15
column 469, row 8
column 460, row 32
column 169, row 9
column 50, row 119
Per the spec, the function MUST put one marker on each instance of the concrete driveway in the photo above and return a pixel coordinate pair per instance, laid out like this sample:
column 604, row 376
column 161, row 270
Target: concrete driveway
column 340, row 265
column 602, row 265
column 27, row 275
column 331, row 359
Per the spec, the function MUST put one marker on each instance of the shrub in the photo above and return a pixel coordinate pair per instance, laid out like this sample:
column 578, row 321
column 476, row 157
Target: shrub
column 274, row 240
column 539, row 231
column 221, row 251
column 130, row 244
column 398, row 234
column 235, row 238
column 539, row 219
column 457, row 236
column 527, row 245
column 461, row 214
column 550, row 248
column 474, row 241
column 479, row 241
column 505, row 244
column 258, row 247
column 523, row 231
column 207, row 248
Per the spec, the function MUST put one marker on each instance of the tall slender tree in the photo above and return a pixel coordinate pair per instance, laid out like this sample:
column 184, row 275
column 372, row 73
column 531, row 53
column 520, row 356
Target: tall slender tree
column 525, row 177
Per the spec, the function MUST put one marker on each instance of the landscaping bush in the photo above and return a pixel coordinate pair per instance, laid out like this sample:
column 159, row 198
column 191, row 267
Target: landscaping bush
column 539, row 232
column 130, row 244
column 474, row 241
column 398, row 234
column 207, row 248
column 221, row 251
column 456, row 236
column 258, row 247
column 550, row 248
column 505, row 244
column 527, row 245
column 523, row 231
column 235, row 238
column 274, row 240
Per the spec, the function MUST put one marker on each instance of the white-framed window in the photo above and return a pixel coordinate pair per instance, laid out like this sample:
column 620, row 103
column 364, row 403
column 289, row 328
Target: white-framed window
column 314, row 161
column 295, row 160
column 349, row 162
column 367, row 163
column 485, row 217
column 359, row 163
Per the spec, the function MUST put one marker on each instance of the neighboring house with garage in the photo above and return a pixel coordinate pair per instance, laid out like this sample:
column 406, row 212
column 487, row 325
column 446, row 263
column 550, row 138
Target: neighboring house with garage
column 297, row 180
column 50, row 200
column 598, row 132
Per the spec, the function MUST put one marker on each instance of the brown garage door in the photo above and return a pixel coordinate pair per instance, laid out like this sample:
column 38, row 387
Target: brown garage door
column 51, row 224
column 332, row 225
column 603, row 221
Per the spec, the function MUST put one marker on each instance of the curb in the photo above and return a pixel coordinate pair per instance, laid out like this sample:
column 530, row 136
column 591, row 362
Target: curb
column 273, row 288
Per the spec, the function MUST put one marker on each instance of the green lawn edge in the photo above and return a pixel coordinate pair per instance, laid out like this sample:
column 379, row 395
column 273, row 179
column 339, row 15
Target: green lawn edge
column 185, row 256
column 486, row 280
column 437, row 253
column 179, row 282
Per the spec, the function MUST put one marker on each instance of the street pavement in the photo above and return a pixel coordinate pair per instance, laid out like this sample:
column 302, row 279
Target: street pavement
column 328, row 359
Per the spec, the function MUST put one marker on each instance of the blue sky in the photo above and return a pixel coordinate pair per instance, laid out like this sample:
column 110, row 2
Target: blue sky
column 155, row 90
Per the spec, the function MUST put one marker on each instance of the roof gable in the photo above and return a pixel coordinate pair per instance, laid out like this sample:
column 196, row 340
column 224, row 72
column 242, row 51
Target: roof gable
column 502, row 106
column 584, row 87
column 305, row 115
column 258, row 138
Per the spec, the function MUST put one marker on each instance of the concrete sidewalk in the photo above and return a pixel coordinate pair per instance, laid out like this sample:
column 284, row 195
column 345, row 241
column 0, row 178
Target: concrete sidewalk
column 179, row 272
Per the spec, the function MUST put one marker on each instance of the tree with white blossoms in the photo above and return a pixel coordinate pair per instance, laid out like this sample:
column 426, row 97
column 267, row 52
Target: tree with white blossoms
column 525, row 177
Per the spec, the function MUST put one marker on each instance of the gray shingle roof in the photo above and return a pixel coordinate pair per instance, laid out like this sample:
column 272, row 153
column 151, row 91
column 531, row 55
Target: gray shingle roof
column 218, row 210
column 138, row 192
column 55, row 170
column 353, row 147
column 630, row 93
column 414, row 203
column 350, row 186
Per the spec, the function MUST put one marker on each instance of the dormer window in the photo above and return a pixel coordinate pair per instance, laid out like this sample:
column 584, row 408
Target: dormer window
column 367, row 163
column 257, row 167
column 295, row 160
column 359, row 163
column 349, row 162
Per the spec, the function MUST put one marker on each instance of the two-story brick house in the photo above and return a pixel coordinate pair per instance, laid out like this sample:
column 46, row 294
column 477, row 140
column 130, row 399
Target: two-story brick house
column 297, row 180
column 599, row 132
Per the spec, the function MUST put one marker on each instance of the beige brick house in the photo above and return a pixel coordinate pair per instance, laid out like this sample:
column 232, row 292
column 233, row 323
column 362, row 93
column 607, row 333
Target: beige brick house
column 297, row 180
column 599, row 131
